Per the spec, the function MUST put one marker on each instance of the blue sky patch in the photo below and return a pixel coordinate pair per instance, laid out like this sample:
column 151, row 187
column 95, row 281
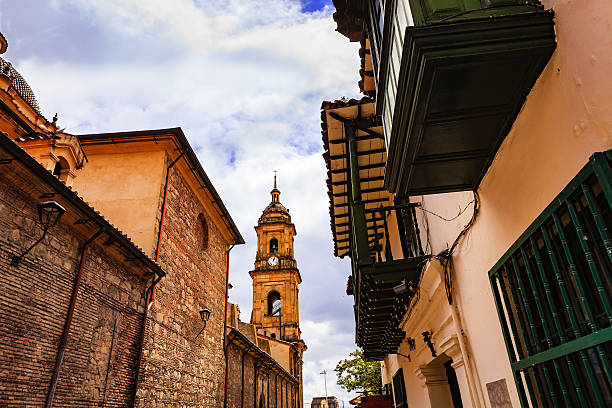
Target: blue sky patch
column 315, row 5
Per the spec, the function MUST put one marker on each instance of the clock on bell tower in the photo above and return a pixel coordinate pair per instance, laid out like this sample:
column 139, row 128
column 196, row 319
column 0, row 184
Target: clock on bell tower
column 276, row 276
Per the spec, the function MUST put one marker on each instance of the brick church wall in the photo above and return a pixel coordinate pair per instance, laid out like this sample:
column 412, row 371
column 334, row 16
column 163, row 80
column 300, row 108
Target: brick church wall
column 100, row 357
column 178, row 369
column 275, row 388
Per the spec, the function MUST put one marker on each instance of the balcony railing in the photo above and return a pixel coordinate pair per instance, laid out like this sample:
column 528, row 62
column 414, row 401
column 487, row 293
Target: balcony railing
column 409, row 234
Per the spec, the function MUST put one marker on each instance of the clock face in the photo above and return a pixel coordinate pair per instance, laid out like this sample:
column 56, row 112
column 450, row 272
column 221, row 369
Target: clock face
column 273, row 261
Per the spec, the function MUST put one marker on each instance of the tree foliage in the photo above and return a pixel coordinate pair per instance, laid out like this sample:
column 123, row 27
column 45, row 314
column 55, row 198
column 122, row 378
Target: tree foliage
column 356, row 374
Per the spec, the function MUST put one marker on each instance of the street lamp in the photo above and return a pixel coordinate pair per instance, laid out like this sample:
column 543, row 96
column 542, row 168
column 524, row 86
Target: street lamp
column 324, row 373
column 204, row 315
column 49, row 213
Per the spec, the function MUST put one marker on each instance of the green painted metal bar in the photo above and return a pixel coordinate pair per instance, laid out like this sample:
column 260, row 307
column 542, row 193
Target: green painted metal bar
column 358, row 207
column 569, row 308
column 541, row 312
column 588, row 254
column 561, row 283
column 506, row 333
column 517, row 341
column 574, row 346
column 532, row 326
column 388, row 253
column 575, row 273
column 417, row 232
column 521, row 321
column 556, row 319
column 599, row 220
column 523, row 335
column 549, row 297
column 601, row 166
column 528, row 311
column 585, row 303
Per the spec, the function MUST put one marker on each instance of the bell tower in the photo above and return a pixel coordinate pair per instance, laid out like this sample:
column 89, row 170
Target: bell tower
column 276, row 276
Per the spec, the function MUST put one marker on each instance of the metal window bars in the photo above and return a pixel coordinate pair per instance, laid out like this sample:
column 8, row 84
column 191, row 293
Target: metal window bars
column 552, row 293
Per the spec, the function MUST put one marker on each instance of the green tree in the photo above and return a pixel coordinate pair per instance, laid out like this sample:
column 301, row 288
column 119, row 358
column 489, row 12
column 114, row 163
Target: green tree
column 356, row 374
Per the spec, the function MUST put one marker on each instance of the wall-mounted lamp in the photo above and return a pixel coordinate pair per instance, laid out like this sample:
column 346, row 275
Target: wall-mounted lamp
column 401, row 288
column 49, row 214
column 427, row 339
column 204, row 315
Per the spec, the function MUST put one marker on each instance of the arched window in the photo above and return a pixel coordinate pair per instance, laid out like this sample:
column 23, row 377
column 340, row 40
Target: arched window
column 61, row 165
column 274, row 302
column 273, row 245
column 203, row 226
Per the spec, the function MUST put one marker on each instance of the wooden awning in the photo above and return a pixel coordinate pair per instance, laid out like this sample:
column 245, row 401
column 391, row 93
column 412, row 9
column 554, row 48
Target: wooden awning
column 372, row 158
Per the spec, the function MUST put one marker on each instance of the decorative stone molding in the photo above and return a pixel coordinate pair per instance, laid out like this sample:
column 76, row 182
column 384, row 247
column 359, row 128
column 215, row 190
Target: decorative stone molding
column 450, row 346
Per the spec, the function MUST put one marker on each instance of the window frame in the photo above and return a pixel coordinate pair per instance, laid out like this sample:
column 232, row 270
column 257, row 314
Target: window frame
column 546, row 305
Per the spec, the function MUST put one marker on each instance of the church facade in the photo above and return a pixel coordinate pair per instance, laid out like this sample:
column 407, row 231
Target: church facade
column 266, row 355
column 121, row 301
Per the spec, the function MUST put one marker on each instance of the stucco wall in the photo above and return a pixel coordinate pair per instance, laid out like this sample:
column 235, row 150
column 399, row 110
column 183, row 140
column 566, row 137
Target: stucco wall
column 566, row 118
column 126, row 187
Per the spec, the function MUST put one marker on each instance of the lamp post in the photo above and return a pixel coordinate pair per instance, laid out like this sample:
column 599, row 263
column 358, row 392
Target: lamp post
column 49, row 214
column 324, row 373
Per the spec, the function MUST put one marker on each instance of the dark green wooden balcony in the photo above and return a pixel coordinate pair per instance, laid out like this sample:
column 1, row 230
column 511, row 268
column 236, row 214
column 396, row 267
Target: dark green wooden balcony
column 434, row 11
column 466, row 71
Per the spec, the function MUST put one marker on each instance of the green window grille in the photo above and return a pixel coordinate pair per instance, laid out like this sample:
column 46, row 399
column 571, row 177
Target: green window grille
column 552, row 291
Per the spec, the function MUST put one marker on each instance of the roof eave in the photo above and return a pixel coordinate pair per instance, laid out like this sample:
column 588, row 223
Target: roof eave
column 197, row 166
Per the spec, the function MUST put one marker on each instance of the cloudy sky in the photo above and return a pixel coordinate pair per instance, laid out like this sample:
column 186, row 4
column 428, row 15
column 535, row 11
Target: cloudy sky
column 245, row 80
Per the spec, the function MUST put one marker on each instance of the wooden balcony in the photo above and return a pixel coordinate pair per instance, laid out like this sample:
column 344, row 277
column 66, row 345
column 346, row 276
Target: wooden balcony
column 465, row 74
column 366, row 221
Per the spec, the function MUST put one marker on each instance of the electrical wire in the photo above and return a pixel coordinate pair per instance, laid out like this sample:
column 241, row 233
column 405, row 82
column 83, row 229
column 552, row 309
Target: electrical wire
column 446, row 256
column 461, row 211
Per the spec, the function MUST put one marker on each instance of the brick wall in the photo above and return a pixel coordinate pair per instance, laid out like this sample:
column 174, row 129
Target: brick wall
column 178, row 369
column 274, row 388
column 34, row 298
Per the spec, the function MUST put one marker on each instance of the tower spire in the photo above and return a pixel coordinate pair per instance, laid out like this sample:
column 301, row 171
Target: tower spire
column 275, row 191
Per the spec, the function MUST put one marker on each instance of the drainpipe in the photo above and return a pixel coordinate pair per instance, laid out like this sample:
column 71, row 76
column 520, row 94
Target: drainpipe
column 473, row 377
column 163, row 215
column 226, row 346
column 156, row 279
column 59, row 359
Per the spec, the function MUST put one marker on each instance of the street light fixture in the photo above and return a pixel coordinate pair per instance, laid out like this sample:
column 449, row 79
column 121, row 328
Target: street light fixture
column 324, row 373
column 49, row 213
column 204, row 315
